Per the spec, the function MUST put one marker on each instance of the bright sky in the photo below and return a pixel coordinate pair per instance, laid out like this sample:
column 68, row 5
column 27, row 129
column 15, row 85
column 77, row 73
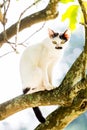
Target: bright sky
column 9, row 65
column 10, row 83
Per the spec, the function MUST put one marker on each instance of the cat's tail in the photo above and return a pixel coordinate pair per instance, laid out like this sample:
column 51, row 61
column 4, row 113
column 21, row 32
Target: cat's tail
column 38, row 114
column 36, row 109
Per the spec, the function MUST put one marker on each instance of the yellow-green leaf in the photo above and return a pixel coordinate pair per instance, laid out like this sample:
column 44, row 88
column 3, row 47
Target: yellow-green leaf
column 66, row 1
column 71, row 14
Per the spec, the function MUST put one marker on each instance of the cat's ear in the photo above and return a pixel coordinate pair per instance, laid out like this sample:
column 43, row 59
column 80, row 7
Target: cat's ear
column 51, row 33
column 67, row 34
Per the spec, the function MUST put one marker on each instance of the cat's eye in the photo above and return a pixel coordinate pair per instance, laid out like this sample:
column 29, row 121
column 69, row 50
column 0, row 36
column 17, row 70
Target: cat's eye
column 54, row 42
column 63, row 41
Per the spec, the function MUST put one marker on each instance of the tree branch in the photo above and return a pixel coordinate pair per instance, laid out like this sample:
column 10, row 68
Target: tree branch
column 74, row 75
column 61, row 117
column 36, row 99
column 84, row 11
column 50, row 12
column 53, row 97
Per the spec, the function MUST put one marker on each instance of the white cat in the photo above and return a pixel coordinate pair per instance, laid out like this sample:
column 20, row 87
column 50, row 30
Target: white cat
column 37, row 62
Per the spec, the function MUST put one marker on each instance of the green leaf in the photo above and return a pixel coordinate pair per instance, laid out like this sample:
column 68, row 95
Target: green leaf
column 66, row 1
column 71, row 14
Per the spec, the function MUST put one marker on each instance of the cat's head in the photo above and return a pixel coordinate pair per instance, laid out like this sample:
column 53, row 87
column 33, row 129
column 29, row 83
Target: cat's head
column 59, row 39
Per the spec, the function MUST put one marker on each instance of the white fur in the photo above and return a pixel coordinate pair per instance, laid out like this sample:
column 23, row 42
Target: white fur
column 36, row 65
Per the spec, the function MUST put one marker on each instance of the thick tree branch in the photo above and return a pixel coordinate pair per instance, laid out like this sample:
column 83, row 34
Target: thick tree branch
column 53, row 97
column 50, row 12
column 74, row 75
column 84, row 11
column 36, row 99
column 79, row 105
column 61, row 117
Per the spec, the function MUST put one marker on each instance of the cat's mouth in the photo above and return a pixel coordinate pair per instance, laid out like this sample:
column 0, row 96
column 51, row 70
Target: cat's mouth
column 57, row 46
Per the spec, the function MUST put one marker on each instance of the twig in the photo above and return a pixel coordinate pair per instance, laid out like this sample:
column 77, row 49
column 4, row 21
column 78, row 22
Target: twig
column 1, row 5
column 19, row 20
column 1, row 56
column 85, row 25
column 22, row 43
column 5, row 13
column 5, row 35
column 6, row 9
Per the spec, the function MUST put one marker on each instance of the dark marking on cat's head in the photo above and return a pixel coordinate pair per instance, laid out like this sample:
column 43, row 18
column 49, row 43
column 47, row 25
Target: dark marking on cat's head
column 26, row 90
column 52, row 34
column 55, row 35
column 59, row 39
column 66, row 35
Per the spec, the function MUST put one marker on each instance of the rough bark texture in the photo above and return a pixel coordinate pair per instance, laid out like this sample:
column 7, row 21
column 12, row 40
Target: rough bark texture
column 61, row 117
column 71, row 94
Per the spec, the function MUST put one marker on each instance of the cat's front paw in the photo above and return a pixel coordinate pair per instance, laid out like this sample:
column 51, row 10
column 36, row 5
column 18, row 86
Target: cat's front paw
column 49, row 87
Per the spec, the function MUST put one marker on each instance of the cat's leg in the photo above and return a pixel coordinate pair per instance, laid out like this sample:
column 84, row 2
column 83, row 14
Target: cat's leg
column 32, row 80
column 50, row 72
column 46, row 83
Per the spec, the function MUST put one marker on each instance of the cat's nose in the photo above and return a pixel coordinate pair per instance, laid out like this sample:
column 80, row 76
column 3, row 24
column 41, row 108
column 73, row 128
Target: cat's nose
column 58, row 47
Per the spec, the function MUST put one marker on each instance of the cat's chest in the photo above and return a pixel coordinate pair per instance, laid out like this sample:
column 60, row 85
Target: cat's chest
column 50, row 54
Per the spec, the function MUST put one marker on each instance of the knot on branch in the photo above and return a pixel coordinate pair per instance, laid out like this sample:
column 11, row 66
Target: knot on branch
column 51, row 15
column 83, row 104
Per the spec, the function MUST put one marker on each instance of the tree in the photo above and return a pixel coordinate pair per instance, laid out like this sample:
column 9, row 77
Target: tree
column 72, row 93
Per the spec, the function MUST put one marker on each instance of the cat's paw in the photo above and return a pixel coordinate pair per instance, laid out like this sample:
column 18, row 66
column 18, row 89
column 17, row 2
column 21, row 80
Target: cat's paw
column 49, row 87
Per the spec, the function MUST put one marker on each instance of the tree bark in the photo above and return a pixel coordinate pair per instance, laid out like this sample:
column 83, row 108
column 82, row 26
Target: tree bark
column 61, row 117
